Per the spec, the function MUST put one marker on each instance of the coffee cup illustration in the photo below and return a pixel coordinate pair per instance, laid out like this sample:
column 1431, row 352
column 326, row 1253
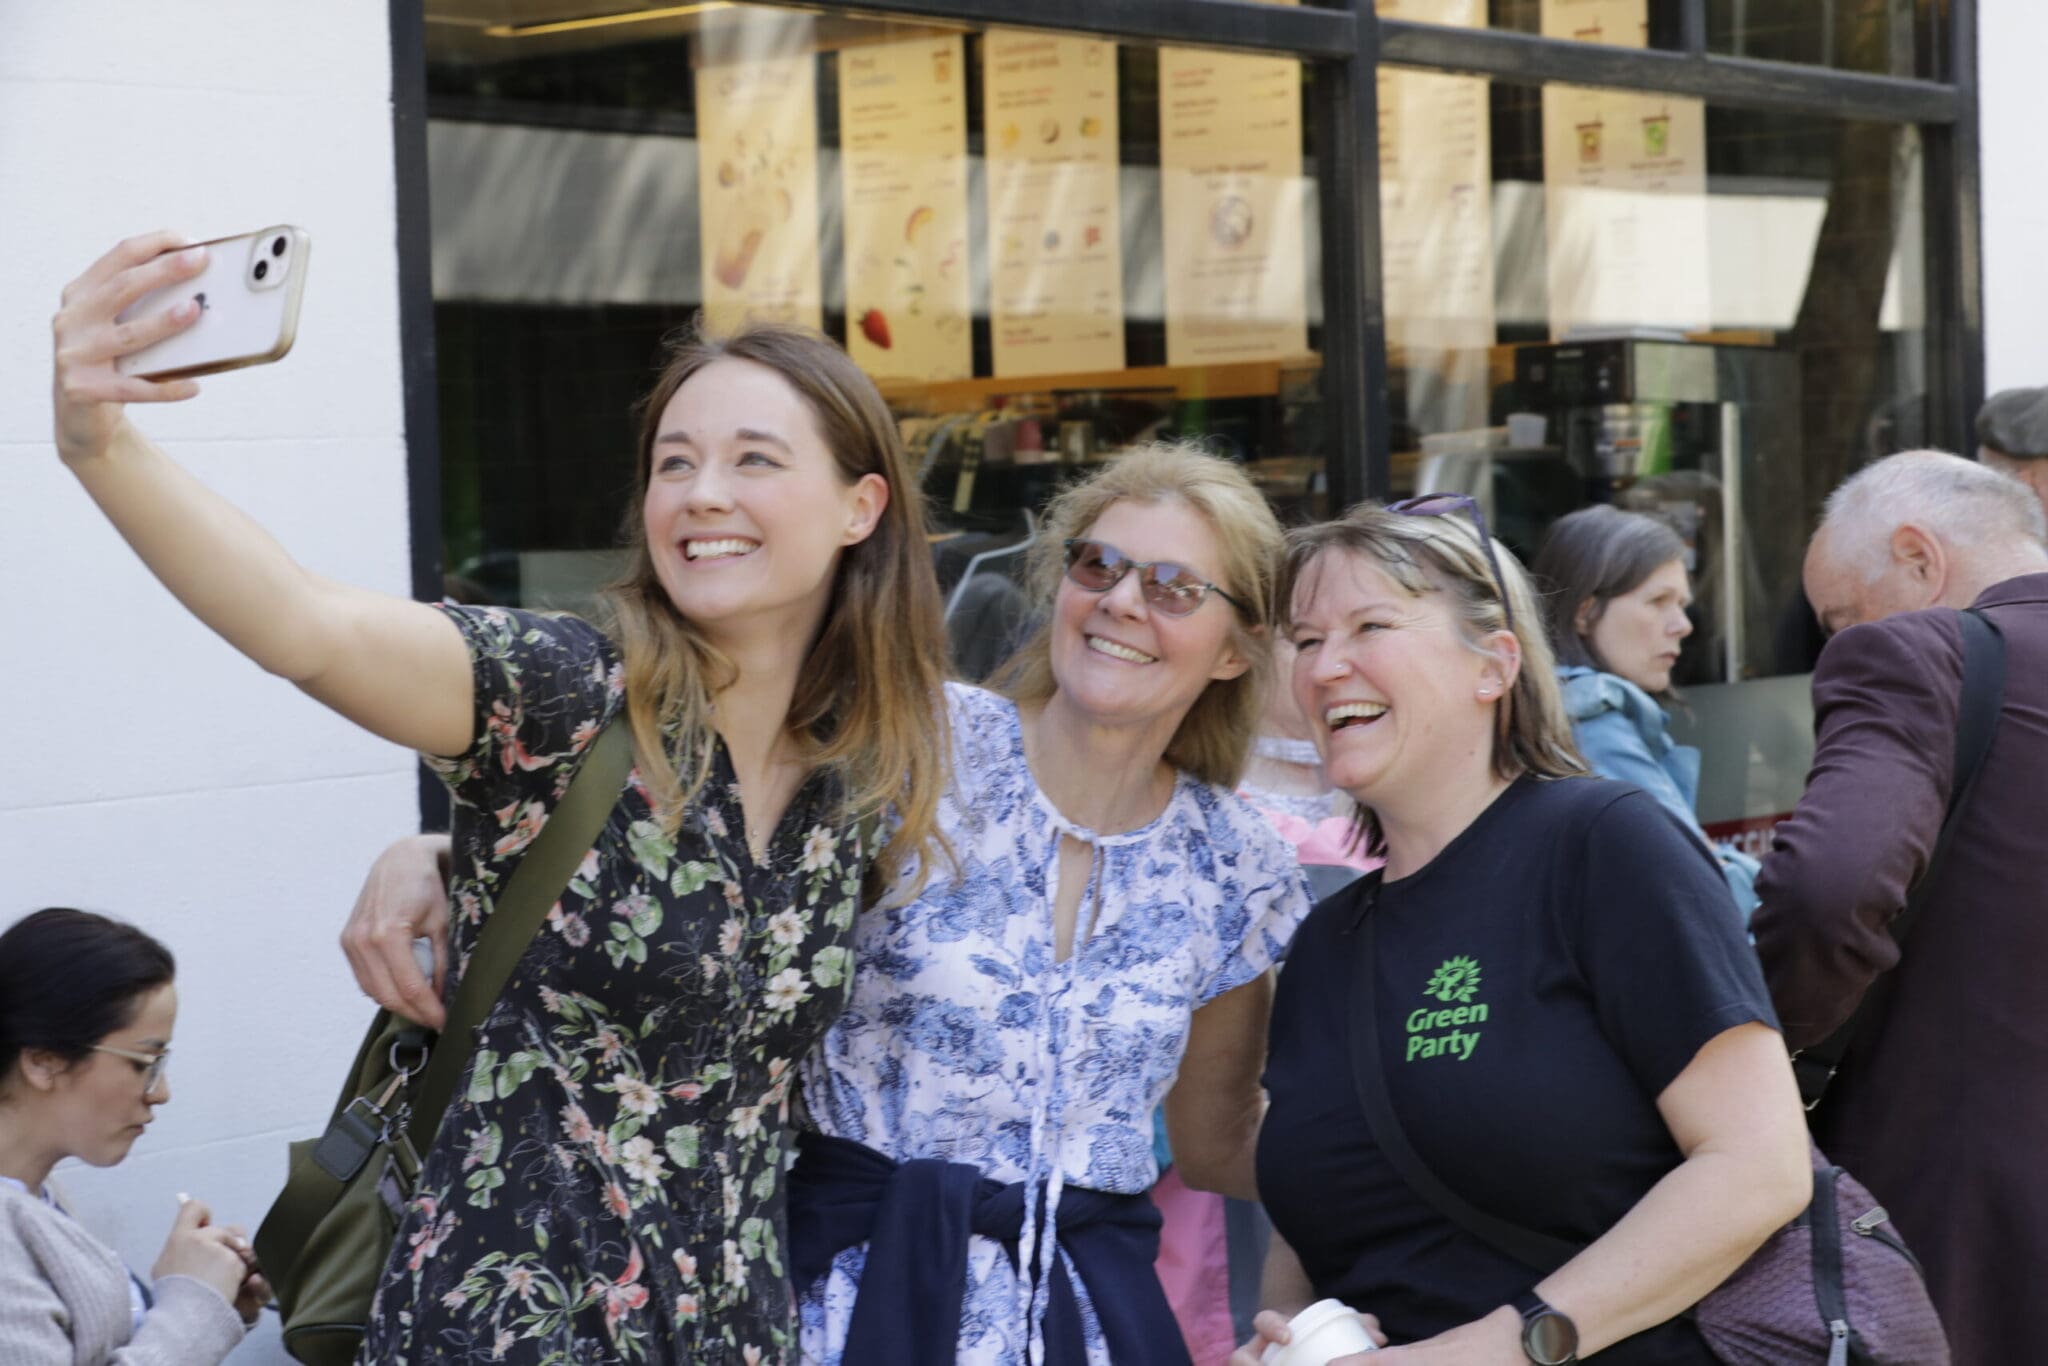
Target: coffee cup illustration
column 1657, row 134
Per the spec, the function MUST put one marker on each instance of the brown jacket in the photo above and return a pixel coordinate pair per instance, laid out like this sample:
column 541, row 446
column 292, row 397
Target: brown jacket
column 1942, row 1106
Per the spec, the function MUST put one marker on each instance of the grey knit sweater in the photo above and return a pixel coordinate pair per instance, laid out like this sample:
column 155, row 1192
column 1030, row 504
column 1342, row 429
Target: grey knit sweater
column 64, row 1300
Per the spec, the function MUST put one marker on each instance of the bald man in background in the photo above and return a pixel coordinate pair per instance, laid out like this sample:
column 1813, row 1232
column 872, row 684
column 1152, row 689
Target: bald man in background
column 1941, row 1107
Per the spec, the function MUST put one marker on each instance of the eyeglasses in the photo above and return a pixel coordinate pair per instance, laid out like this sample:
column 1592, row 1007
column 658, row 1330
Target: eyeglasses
column 1170, row 588
column 153, row 1064
column 1443, row 505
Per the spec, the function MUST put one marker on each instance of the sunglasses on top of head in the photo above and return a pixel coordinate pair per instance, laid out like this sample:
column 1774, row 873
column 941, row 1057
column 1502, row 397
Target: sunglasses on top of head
column 1447, row 504
column 1171, row 588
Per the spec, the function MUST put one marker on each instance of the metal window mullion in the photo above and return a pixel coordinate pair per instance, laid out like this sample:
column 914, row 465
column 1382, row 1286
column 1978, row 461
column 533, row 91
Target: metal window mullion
column 1729, row 82
column 418, row 368
column 1692, row 26
column 1900, row 24
column 1354, row 377
column 1954, row 244
column 416, row 294
column 1297, row 30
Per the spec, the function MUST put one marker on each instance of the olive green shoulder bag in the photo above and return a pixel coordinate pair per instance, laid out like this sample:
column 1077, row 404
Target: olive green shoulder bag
column 325, row 1243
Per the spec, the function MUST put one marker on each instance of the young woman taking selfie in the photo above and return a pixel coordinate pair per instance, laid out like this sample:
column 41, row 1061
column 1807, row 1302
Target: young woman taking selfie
column 775, row 648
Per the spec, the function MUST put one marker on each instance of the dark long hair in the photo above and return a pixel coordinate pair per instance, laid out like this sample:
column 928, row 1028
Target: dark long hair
column 70, row 978
column 1596, row 555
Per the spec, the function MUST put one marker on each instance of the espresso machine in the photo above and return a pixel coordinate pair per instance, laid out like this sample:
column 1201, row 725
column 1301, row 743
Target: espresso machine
column 1705, row 437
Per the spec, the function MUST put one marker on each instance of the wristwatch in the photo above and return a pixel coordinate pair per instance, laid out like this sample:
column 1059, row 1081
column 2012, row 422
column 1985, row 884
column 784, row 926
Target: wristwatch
column 1548, row 1337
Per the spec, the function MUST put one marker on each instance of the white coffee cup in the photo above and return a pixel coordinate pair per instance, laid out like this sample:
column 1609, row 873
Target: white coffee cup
column 1319, row 1334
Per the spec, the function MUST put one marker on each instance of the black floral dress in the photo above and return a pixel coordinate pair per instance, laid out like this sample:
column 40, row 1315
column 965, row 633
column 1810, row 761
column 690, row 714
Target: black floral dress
column 608, row 1184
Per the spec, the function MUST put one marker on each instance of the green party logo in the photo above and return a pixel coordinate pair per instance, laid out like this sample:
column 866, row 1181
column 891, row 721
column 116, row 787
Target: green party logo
column 1457, row 980
column 1442, row 1033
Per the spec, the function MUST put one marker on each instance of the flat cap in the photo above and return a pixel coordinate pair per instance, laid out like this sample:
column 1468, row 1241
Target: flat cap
column 2014, row 422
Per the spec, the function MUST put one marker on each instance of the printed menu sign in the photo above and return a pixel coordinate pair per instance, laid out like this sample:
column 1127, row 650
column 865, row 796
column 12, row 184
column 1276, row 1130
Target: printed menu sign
column 1436, row 195
column 757, row 178
column 903, row 139
column 1625, row 181
column 1055, row 237
column 1232, row 200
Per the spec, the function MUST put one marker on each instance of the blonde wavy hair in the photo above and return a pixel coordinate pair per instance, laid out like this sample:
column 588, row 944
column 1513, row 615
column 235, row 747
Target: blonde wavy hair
column 1214, row 739
column 1442, row 554
column 869, row 698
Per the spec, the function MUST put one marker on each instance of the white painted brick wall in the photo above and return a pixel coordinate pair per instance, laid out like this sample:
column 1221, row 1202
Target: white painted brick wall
column 147, row 769
column 2012, row 36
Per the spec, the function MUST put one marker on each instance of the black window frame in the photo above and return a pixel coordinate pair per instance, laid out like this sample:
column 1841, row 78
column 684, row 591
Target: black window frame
column 1349, row 44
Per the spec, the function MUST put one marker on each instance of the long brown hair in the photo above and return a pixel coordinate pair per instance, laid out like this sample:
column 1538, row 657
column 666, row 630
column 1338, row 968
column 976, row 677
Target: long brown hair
column 869, row 698
column 1214, row 739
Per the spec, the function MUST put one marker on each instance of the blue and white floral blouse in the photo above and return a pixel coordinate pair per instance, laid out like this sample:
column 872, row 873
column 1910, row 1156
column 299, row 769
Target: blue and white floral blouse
column 966, row 1040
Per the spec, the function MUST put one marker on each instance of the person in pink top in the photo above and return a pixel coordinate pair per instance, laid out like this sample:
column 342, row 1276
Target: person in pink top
column 1211, row 1247
column 1285, row 781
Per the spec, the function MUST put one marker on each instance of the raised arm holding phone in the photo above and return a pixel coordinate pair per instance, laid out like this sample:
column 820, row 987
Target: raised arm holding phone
column 775, row 649
column 395, row 667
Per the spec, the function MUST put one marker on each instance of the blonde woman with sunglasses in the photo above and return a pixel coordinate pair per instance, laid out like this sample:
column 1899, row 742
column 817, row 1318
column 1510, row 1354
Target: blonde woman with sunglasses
column 975, row 1188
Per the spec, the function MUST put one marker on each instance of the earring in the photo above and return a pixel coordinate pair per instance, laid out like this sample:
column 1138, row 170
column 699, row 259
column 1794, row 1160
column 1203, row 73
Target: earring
column 1486, row 690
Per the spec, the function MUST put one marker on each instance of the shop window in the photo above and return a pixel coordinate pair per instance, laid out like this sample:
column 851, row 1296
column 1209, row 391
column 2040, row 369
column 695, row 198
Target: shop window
column 1706, row 314
column 1883, row 37
column 1043, row 248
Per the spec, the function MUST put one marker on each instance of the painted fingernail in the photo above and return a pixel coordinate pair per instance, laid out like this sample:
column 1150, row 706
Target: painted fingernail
column 184, row 1199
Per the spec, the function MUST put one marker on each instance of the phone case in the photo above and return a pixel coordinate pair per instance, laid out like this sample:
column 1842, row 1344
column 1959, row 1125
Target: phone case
column 249, row 302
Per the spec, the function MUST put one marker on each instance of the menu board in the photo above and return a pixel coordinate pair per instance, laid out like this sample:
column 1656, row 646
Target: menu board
column 1436, row 194
column 1232, row 200
column 1055, row 228
column 1625, row 189
column 903, row 140
column 757, row 178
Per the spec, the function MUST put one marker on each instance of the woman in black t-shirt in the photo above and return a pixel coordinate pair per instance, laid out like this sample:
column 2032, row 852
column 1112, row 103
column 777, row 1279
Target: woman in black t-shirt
column 1573, row 1033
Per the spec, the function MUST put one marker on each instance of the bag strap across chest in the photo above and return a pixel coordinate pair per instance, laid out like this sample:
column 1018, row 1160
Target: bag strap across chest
column 536, row 885
column 1977, row 711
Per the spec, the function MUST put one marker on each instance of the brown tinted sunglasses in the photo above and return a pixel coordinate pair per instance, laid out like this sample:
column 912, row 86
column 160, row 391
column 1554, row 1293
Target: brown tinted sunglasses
column 1171, row 588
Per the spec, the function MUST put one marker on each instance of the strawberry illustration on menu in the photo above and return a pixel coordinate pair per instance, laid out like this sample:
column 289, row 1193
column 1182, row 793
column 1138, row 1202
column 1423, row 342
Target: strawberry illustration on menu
column 903, row 125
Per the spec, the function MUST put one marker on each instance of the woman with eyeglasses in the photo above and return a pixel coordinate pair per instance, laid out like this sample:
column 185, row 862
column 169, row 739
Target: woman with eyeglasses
column 1538, row 1006
column 86, row 1011
column 1617, row 590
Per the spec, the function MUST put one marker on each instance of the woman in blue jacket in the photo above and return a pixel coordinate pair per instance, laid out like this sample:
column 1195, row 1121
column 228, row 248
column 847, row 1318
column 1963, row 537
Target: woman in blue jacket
column 1617, row 594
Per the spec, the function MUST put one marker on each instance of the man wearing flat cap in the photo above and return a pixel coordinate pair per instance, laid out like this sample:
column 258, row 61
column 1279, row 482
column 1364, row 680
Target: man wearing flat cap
column 2012, row 437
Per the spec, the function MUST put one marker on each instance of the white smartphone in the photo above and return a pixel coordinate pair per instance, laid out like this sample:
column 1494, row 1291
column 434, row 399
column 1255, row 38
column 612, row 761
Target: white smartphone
column 249, row 307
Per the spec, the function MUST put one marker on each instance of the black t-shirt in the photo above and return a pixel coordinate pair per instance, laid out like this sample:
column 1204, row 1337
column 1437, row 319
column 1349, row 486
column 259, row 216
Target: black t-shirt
column 1540, row 982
